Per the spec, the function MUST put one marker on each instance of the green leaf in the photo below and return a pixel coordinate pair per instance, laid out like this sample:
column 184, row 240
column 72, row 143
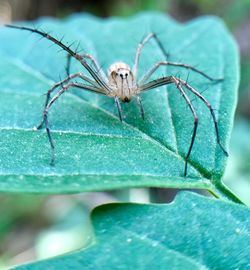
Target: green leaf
column 133, row 236
column 94, row 150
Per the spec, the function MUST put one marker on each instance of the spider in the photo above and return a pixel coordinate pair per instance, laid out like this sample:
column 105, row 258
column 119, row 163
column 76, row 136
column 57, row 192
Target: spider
column 121, row 84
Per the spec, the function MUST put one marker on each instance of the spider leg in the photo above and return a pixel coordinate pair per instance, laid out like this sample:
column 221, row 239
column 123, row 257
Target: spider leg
column 167, row 63
column 92, row 59
column 96, row 76
column 138, row 98
column 119, row 108
column 72, row 76
column 178, row 84
column 209, row 106
column 45, row 120
column 48, row 106
column 96, row 65
column 68, row 63
column 69, row 59
column 170, row 80
column 140, row 47
column 45, row 117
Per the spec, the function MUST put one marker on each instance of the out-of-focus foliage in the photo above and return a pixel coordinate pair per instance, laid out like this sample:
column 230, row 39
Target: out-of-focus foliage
column 232, row 11
column 238, row 168
column 139, row 236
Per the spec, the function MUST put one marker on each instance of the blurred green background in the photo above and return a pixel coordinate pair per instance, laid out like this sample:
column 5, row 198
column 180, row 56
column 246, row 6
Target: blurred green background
column 33, row 227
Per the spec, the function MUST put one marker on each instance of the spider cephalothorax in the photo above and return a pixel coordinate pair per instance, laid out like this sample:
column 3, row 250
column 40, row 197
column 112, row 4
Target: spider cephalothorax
column 121, row 83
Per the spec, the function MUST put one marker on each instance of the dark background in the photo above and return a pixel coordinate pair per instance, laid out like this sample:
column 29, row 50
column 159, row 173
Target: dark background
column 31, row 225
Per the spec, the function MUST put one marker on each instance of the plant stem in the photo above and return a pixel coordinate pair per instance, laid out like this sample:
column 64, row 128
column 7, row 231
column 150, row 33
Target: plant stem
column 222, row 191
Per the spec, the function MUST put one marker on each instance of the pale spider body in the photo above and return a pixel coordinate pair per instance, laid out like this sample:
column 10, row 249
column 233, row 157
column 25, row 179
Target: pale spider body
column 121, row 81
column 122, row 84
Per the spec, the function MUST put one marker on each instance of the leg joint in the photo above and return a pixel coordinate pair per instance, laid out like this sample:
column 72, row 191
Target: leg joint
column 196, row 120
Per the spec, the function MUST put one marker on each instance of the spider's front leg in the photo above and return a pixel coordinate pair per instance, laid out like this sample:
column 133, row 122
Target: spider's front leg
column 45, row 119
column 48, row 106
column 211, row 109
column 178, row 84
column 60, row 83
